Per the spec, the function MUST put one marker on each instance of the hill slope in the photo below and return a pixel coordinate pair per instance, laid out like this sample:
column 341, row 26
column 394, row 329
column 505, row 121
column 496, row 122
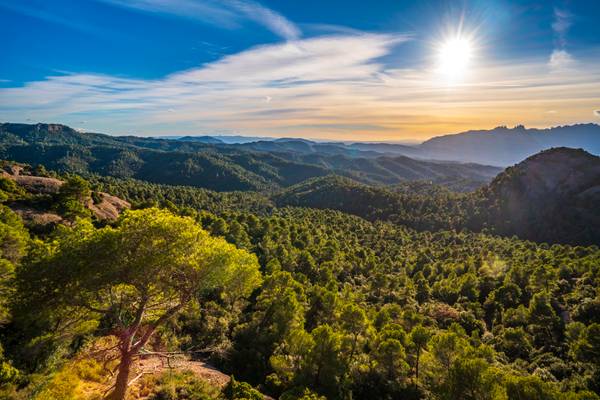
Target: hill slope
column 553, row 196
column 425, row 211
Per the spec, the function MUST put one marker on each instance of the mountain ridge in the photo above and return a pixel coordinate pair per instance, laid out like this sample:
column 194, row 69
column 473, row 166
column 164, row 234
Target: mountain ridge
column 511, row 145
column 219, row 166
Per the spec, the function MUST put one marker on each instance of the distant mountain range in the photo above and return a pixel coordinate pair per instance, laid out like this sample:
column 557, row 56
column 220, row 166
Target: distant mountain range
column 506, row 146
column 500, row 146
column 462, row 161
column 204, row 162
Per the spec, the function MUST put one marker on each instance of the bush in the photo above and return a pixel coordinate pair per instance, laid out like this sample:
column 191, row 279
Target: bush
column 182, row 386
column 241, row 391
column 79, row 380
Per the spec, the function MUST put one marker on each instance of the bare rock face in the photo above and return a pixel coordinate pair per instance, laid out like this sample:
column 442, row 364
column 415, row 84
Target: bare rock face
column 108, row 209
column 38, row 184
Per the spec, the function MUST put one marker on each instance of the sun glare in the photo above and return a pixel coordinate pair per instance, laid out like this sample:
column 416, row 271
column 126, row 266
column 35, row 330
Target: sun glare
column 454, row 56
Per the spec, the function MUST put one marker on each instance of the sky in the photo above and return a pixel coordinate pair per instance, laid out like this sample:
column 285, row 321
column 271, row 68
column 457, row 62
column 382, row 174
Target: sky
column 332, row 69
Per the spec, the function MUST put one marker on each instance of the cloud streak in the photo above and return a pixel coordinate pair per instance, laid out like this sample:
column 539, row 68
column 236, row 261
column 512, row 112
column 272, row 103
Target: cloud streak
column 224, row 13
column 561, row 25
column 331, row 86
column 275, row 22
column 560, row 57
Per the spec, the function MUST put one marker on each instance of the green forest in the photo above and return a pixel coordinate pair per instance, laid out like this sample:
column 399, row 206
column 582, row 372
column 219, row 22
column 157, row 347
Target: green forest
column 293, row 302
column 306, row 286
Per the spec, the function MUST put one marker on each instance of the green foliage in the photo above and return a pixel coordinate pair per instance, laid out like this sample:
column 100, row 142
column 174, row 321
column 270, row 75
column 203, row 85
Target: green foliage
column 70, row 382
column 72, row 198
column 301, row 394
column 134, row 277
column 469, row 379
column 143, row 194
column 529, row 388
column 10, row 191
column 182, row 385
column 241, row 391
column 14, row 239
column 587, row 346
column 9, row 375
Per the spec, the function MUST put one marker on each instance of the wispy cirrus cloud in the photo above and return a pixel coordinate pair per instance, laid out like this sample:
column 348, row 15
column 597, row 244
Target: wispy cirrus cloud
column 224, row 13
column 563, row 20
column 272, row 20
column 332, row 86
column 560, row 57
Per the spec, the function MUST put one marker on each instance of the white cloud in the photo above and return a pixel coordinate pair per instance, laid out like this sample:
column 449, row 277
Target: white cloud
column 298, row 68
column 597, row 113
column 312, row 87
column 224, row 13
column 561, row 59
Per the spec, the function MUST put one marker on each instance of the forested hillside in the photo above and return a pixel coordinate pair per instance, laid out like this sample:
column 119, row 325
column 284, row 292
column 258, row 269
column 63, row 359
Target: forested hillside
column 221, row 167
column 550, row 197
column 296, row 303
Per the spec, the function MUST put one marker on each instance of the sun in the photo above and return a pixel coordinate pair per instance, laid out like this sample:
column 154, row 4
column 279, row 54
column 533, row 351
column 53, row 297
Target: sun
column 454, row 56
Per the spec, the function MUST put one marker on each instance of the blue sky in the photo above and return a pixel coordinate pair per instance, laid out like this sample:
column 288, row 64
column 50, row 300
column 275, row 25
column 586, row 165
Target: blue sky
column 327, row 69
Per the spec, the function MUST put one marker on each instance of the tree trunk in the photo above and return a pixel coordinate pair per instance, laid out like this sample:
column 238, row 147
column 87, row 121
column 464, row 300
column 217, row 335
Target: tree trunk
column 129, row 349
column 120, row 389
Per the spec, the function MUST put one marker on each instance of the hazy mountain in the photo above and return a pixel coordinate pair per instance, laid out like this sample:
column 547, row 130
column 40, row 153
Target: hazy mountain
column 388, row 148
column 201, row 139
column 505, row 146
column 501, row 146
column 237, row 139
